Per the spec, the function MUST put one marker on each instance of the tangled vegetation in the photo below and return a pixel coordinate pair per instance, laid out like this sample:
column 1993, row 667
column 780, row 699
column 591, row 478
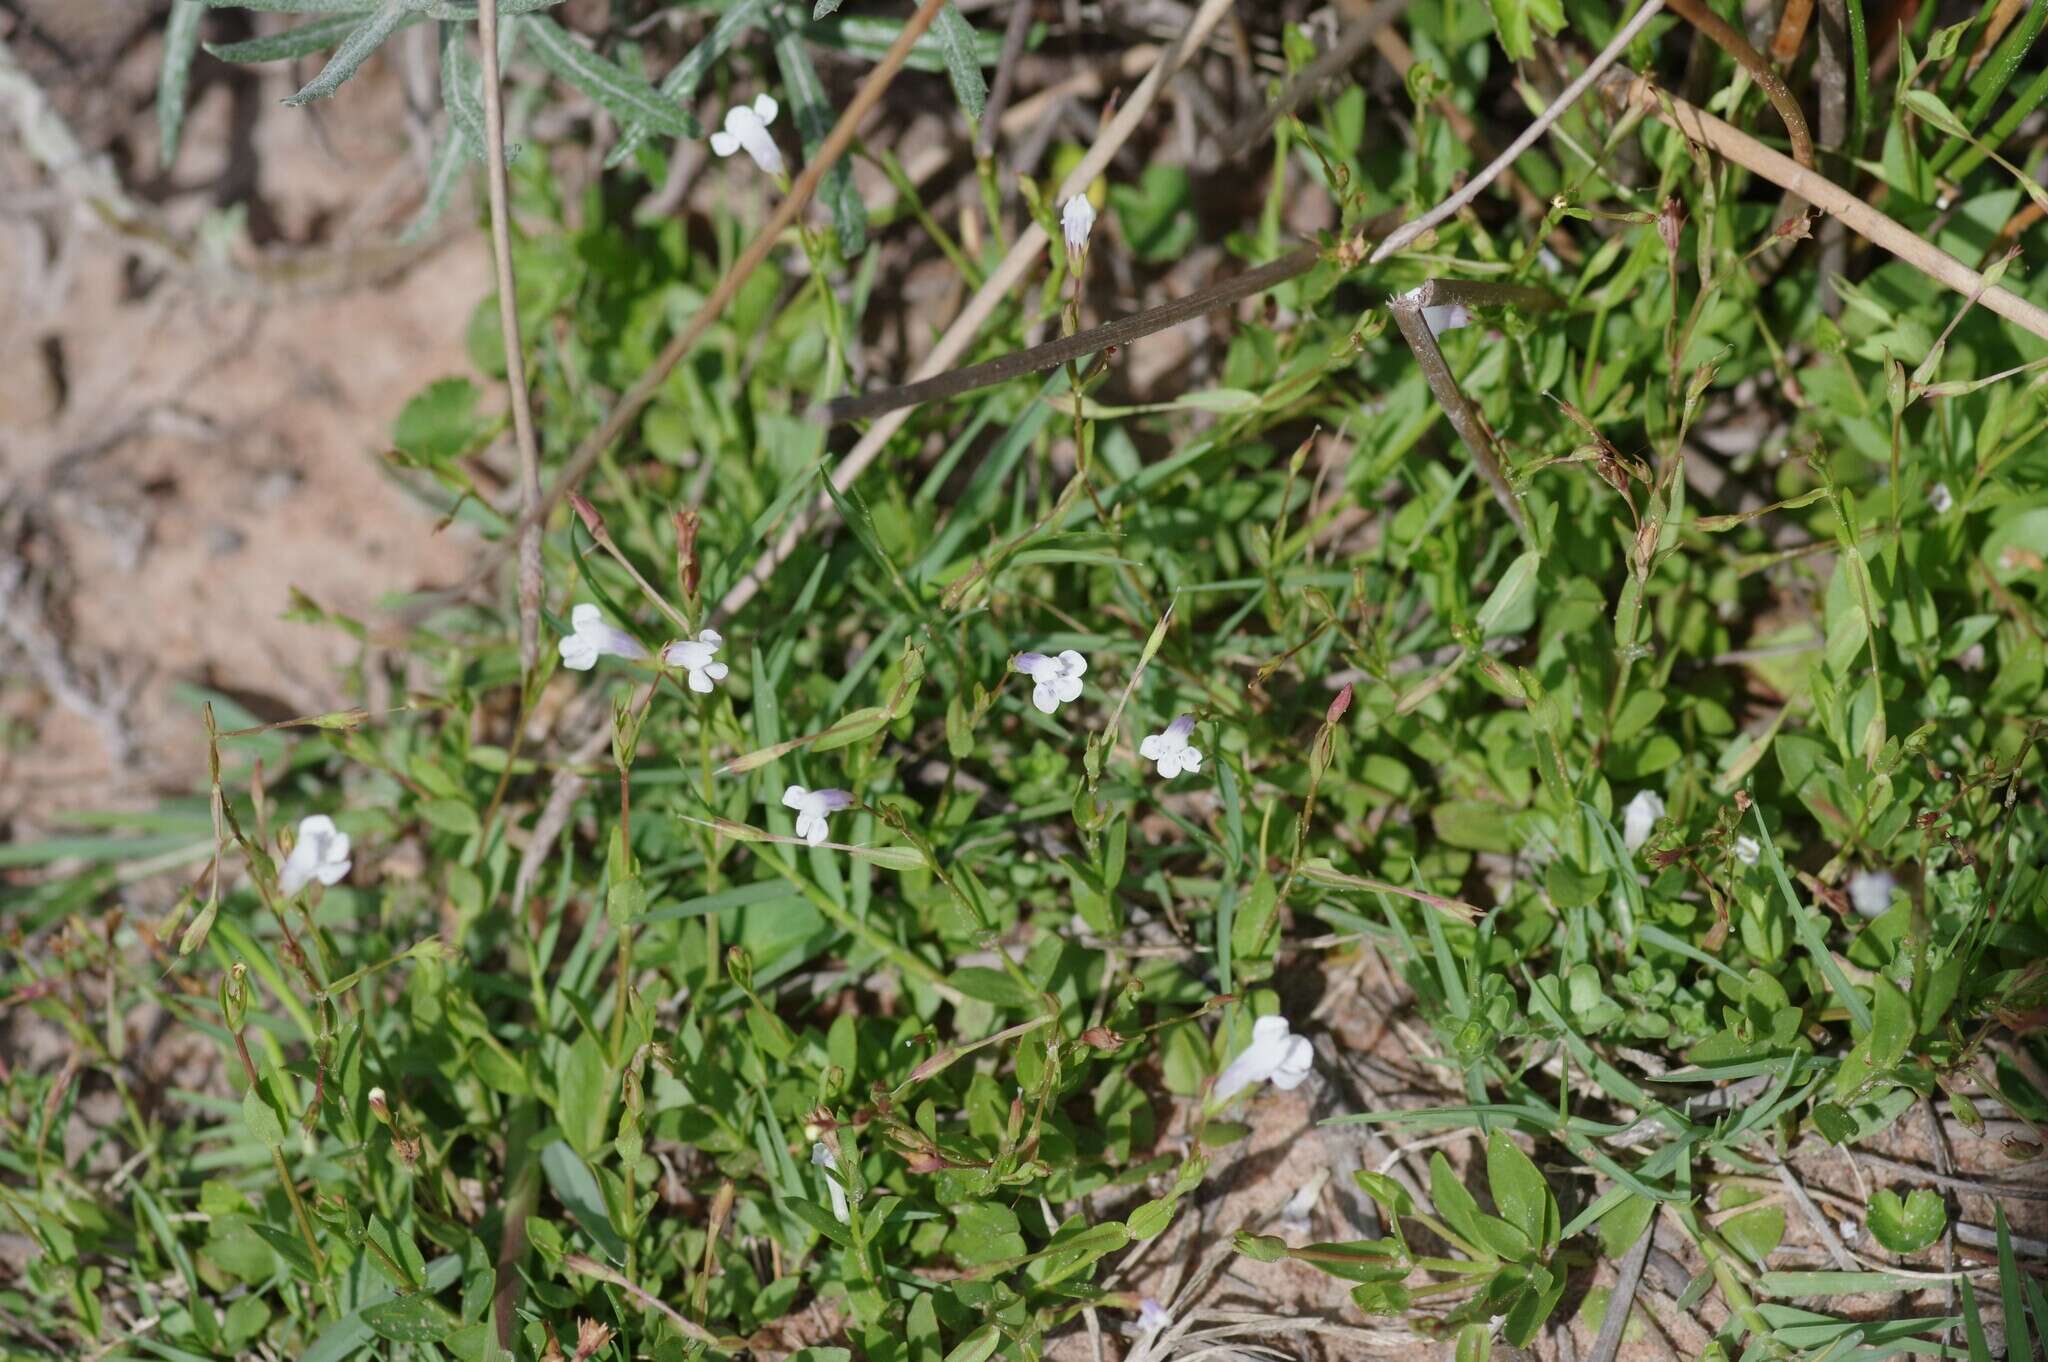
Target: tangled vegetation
column 1614, row 680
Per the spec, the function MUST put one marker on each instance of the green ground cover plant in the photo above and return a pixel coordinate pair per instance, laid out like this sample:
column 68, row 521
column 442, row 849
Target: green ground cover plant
column 851, row 973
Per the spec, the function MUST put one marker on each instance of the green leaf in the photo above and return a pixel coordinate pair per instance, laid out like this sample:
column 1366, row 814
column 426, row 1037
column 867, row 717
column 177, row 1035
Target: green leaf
column 411, row 1319
column 181, row 42
column 1509, row 607
column 302, row 41
column 451, row 815
column 813, row 115
column 262, row 1120
column 624, row 95
column 1519, row 1190
column 1910, row 1225
column 1756, row 1234
column 680, row 84
column 575, row 1186
column 994, row 987
column 353, row 52
column 2009, row 1290
column 963, row 66
column 440, row 423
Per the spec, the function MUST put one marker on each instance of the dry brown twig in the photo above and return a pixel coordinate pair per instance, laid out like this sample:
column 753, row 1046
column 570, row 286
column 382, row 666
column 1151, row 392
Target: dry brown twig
column 515, row 352
column 1703, row 129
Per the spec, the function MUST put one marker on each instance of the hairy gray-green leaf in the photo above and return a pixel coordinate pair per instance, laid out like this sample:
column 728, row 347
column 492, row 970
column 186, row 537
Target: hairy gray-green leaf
column 461, row 83
column 624, row 95
column 451, row 158
column 181, row 40
column 814, row 123
column 353, row 52
column 303, row 41
column 296, row 6
column 870, row 38
column 963, row 67
column 824, row 9
column 681, row 83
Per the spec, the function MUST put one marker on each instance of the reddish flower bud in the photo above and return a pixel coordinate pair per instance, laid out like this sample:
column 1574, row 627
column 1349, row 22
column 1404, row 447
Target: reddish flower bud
column 1338, row 705
column 587, row 513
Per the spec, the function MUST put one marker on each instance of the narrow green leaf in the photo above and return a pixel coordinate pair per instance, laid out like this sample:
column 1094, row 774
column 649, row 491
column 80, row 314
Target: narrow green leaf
column 679, row 86
column 462, row 87
column 451, row 158
column 353, row 52
column 814, row 120
column 624, row 95
column 575, row 1186
column 303, row 41
column 181, row 41
column 963, row 67
column 2010, row 1293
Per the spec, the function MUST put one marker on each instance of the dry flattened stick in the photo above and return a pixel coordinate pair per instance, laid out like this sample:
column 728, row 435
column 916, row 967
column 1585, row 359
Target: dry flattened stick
column 996, row 289
column 1464, row 415
column 1572, row 93
column 1052, row 354
column 1859, row 217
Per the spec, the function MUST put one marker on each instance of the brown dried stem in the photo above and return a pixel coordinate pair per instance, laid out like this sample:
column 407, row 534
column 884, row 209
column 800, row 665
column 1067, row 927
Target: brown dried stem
column 1702, row 128
column 515, row 352
column 1464, row 414
column 1730, row 40
column 1081, row 344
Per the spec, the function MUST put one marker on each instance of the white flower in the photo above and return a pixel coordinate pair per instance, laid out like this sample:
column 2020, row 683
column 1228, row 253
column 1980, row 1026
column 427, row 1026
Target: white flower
column 1170, row 749
column 594, row 639
column 1639, row 817
column 748, row 127
column 695, row 657
column 1276, row 1054
column 1152, row 1316
column 1747, row 850
column 823, row 1157
column 1077, row 220
column 811, row 808
column 1447, row 318
column 321, row 853
column 1871, row 891
column 1055, row 681
column 1940, row 498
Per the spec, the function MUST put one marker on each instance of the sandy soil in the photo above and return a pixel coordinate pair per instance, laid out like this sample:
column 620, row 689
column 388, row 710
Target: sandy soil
column 183, row 444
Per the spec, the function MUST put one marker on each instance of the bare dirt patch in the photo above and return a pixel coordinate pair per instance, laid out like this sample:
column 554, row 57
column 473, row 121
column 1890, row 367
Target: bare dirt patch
column 192, row 415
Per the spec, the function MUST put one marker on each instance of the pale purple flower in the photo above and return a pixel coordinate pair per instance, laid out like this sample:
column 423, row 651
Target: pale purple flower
column 1055, row 681
column 1170, row 749
column 1940, row 498
column 1748, row 850
column 593, row 638
column 695, row 656
column 1152, row 1316
column 812, row 807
